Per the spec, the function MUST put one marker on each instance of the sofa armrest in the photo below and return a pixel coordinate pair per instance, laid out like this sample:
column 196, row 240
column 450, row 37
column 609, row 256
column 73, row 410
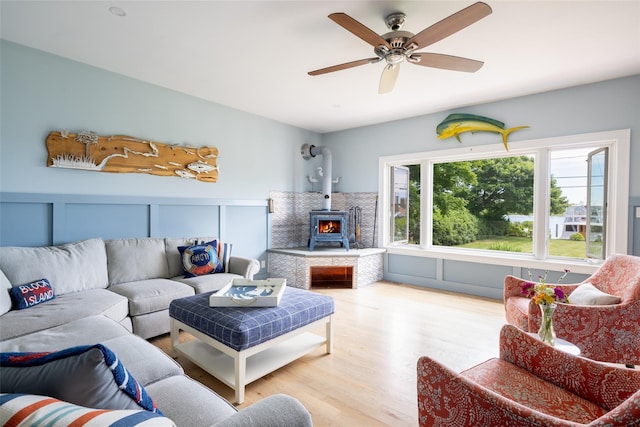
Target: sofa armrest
column 605, row 385
column 273, row 411
column 245, row 267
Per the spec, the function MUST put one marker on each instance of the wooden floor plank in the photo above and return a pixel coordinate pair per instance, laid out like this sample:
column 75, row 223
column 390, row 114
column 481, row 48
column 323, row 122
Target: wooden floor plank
column 380, row 332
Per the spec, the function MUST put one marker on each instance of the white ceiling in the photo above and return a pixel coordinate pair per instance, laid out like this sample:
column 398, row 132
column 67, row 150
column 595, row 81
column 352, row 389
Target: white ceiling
column 254, row 55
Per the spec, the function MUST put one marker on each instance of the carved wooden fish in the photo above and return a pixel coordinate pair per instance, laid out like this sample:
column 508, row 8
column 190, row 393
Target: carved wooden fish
column 455, row 124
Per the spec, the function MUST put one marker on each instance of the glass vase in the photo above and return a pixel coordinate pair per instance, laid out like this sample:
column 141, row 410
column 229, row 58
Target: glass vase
column 546, row 332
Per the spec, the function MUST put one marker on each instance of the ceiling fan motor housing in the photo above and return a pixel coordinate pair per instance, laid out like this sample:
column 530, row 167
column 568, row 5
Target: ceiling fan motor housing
column 398, row 52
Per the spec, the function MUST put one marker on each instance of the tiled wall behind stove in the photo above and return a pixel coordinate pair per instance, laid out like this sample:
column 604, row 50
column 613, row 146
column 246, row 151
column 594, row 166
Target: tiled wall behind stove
column 290, row 218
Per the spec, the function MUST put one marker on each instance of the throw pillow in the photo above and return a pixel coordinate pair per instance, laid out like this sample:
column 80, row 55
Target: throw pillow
column 224, row 253
column 587, row 294
column 22, row 410
column 30, row 294
column 198, row 260
column 90, row 376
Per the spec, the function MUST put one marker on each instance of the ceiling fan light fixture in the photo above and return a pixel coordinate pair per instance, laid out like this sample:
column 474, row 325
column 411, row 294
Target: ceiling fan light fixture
column 396, row 56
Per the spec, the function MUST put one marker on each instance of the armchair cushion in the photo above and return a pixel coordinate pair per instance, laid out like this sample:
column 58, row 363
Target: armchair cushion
column 587, row 294
column 521, row 386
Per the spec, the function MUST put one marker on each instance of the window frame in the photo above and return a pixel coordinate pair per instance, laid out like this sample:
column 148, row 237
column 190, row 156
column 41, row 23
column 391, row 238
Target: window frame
column 619, row 143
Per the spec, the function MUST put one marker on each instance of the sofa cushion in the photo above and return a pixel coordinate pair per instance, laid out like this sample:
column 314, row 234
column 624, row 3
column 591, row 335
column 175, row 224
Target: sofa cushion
column 63, row 309
column 198, row 260
column 174, row 260
column 587, row 294
column 87, row 330
column 147, row 296
column 22, row 410
column 145, row 361
column 5, row 296
column 71, row 267
column 130, row 260
column 151, row 324
column 30, row 294
column 209, row 282
column 91, row 376
column 185, row 408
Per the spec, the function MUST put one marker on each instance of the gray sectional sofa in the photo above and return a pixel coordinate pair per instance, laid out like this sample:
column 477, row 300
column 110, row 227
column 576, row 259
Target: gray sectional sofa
column 117, row 293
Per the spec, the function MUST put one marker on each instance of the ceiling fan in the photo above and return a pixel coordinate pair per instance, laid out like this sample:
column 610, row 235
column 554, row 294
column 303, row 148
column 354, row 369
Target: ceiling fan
column 398, row 46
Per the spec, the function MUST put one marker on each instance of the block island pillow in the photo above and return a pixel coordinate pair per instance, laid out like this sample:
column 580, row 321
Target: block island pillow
column 89, row 376
column 587, row 294
column 198, row 260
column 30, row 294
column 22, row 410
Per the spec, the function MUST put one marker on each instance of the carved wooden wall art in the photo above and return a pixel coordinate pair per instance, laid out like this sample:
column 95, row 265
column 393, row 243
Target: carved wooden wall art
column 126, row 154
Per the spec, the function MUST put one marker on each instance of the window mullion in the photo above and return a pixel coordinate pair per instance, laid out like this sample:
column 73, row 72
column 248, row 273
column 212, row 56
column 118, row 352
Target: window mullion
column 541, row 203
column 426, row 204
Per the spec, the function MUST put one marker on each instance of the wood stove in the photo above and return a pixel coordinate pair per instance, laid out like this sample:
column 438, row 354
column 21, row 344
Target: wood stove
column 328, row 226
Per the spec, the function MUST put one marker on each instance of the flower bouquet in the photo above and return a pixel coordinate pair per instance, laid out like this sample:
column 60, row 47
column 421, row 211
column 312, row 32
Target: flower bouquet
column 546, row 296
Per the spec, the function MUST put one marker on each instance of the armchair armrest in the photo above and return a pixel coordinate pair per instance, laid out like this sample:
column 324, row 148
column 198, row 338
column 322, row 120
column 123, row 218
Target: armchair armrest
column 246, row 267
column 273, row 411
column 602, row 384
column 513, row 287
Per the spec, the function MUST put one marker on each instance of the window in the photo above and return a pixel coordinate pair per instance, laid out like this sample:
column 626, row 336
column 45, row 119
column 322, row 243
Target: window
column 400, row 204
column 555, row 200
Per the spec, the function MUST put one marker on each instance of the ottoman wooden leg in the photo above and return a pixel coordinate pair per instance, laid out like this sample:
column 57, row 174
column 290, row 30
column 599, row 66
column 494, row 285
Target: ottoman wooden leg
column 330, row 335
column 240, row 369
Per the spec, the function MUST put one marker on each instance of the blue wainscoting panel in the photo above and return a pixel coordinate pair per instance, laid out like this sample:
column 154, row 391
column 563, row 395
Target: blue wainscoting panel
column 109, row 221
column 419, row 267
column 26, row 224
column 246, row 227
column 476, row 274
column 51, row 219
column 188, row 221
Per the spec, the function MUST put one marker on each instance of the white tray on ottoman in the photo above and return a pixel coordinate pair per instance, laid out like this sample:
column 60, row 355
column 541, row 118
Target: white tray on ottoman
column 249, row 293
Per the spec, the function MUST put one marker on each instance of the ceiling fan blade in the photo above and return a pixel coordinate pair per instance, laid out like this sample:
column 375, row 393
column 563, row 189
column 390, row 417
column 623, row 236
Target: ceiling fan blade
column 447, row 62
column 343, row 66
column 450, row 25
column 358, row 29
column 388, row 78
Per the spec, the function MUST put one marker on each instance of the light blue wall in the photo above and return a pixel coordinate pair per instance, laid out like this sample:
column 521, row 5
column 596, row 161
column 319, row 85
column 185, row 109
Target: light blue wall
column 41, row 93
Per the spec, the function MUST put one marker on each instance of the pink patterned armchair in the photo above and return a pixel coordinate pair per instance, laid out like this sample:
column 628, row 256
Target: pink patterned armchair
column 530, row 384
column 609, row 333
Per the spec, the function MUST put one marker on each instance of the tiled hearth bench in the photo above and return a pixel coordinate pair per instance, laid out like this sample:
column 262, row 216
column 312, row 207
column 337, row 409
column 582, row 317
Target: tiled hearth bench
column 238, row 345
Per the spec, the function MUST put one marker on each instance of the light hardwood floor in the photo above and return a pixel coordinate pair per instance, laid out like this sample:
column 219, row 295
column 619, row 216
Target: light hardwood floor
column 380, row 332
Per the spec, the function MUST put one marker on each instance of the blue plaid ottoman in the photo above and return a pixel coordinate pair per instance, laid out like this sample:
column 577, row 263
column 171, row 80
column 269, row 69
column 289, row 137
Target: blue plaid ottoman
column 238, row 345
